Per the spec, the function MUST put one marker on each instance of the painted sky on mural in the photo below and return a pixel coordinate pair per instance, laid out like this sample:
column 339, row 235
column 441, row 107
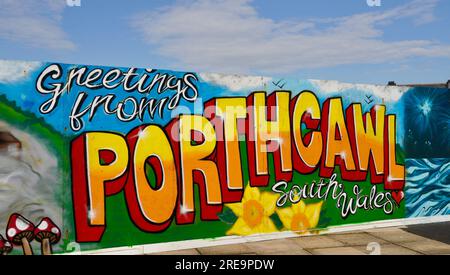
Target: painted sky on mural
column 406, row 41
column 19, row 76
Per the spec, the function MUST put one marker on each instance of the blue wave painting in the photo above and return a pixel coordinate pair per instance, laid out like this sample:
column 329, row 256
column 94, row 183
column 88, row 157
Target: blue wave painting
column 427, row 187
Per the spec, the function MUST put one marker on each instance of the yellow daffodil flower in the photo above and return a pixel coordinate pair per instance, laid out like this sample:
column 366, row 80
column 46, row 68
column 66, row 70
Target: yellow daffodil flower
column 253, row 213
column 300, row 217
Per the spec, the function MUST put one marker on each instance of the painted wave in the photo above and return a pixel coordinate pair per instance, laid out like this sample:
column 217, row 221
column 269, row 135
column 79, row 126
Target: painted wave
column 427, row 187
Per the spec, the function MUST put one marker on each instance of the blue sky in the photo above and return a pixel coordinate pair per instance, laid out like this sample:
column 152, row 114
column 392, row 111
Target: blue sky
column 405, row 41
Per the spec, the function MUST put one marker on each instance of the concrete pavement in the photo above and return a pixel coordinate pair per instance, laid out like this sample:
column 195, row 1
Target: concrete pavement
column 411, row 240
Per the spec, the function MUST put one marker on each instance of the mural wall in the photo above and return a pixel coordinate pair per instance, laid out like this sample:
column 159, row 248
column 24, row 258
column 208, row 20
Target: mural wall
column 106, row 157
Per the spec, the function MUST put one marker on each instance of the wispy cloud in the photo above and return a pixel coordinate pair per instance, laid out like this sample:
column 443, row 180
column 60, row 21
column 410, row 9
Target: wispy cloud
column 34, row 23
column 230, row 36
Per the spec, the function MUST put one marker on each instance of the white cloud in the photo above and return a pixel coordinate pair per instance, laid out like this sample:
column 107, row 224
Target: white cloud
column 388, row 93
column 34, row 23
column 230, row 36
column 12, row 71
column 235, row 82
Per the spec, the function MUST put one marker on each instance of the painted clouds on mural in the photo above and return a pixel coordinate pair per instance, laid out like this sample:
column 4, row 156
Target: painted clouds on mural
column 236, row 83
column 386, row 93
column 12, row 71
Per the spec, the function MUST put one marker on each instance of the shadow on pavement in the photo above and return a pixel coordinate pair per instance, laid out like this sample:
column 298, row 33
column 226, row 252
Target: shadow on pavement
column 436, row 231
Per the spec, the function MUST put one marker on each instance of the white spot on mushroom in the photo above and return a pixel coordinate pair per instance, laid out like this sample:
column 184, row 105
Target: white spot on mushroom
column 11, row 232
column 43, row 225
column 21, row 224
column 55, row 230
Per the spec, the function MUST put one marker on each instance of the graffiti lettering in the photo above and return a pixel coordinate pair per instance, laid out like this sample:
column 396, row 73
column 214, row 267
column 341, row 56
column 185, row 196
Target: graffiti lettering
column 185, row 153
column 169, row 89
column 324, row 190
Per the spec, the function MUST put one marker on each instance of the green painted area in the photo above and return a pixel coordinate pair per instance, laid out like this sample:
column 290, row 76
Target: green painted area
column 122, row 232
column 120, row 229
column 54, row 142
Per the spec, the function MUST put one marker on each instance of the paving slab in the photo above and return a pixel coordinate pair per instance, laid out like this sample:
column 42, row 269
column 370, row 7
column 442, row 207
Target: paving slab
column 317, row 242
column 429, row 247
column 346, row 232
column 336, row 251
column 388, row 249
column 357, row 239
column 395, row 235
column 232, row 249
column 297, row 252
column 276, row 247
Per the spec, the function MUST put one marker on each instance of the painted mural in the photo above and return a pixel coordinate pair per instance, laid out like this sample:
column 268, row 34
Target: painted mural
column 99, row 157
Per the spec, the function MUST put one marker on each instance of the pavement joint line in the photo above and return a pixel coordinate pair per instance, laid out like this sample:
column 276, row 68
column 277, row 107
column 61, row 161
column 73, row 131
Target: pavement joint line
column 308, row 251
column 388, row 242
column 401, row 243
column 420, row 252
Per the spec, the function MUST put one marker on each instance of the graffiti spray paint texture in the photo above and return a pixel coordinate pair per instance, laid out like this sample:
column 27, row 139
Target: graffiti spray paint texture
column 126, row 156
column 428, row 149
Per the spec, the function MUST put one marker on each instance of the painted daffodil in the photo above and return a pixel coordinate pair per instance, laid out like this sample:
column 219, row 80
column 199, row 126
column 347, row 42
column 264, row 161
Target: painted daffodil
column 300, row 217
column 253, row 213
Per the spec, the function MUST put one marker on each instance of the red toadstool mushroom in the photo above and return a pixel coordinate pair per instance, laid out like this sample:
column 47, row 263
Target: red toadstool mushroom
column 47, row 233
column 20, row 232
column 5, row 246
